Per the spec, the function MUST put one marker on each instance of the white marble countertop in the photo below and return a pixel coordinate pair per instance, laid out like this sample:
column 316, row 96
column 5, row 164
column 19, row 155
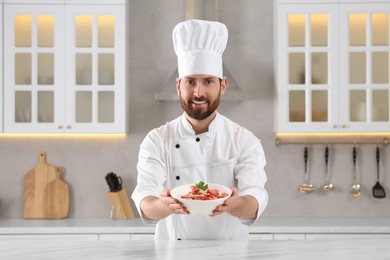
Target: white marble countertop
column 71, row 225
column 200, row 249
column 263, row 225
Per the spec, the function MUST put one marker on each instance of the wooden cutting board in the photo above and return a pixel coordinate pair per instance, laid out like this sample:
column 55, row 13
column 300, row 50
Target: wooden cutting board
column 45, row 194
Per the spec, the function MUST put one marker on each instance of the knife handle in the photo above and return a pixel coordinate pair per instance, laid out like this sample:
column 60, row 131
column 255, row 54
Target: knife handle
column 326, row 154
column 305, row 156
column 354, row 155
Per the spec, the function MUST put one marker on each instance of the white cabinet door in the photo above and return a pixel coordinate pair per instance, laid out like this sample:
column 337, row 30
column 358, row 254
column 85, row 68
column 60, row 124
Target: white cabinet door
column 95, row 58
column 65, row 67
column 364, row 67
column 34, row 68
column 307, row 75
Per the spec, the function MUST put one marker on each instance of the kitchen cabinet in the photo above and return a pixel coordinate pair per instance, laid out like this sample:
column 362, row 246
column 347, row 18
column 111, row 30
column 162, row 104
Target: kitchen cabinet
column 332, row 66
column 66, row 66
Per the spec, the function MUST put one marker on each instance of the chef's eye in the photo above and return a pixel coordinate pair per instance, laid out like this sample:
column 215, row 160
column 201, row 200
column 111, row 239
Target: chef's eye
column 208, row 82
column 190, row 83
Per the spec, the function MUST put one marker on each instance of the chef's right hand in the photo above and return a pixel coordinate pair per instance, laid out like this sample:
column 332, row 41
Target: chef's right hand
column 173, row 206
column 157, row 208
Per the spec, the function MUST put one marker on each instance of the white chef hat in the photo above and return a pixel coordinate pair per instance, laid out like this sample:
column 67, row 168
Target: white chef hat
column 199, row 45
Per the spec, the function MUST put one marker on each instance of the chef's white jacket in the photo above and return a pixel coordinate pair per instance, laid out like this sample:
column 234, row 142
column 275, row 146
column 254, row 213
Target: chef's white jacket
column 227, row 153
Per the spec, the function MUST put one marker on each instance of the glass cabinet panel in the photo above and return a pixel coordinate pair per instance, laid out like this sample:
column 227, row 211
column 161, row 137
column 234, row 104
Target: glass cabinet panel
column 319, row 68
column 296, row 29
column 319, row 29
column 106, row 69
column 83, row 106
column 83, row 25
column 380, row 29
column 358, row 105
column 45, row 106
column 22, row 68
column 45, row 30
column 380, row 67
column 45, row 69
column 23, row 105
column 380, row 105
column 297, row 68
column 319, row 106
column 106, row 107
column 23, row 30
column 357, row 68
column 106, row 27
column 357, row 29
column 83, row 69
column 297, row 107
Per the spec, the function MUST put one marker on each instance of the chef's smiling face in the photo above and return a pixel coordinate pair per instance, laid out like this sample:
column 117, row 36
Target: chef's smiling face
column 200, row 94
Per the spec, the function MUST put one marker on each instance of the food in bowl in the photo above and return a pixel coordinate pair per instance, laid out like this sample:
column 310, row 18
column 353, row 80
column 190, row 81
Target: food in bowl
column 208, row 198
column 201, row 191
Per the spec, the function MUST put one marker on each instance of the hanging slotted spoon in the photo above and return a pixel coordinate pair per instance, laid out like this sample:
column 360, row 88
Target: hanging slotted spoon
column 378, row 191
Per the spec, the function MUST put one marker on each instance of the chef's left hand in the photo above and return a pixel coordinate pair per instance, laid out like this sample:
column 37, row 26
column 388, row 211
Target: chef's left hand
column 244, row 207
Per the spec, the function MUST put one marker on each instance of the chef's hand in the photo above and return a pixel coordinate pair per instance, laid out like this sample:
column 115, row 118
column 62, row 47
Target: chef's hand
column 173, row 206
column 244, row 207
column 157, row 208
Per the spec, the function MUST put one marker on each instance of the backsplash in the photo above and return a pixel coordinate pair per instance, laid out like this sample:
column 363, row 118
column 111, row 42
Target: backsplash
column 152, row 61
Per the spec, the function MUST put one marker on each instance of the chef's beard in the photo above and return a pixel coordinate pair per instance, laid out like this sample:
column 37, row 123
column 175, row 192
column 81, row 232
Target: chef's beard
column 200, row 114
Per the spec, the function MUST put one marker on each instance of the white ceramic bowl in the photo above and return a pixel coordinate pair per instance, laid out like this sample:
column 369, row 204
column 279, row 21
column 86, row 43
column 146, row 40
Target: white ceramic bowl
column 200, row 207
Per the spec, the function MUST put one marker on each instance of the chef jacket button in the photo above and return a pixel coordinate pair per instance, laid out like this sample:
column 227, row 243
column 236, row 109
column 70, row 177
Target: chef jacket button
column 177, row 177
column 177, row 146
column 197, row 139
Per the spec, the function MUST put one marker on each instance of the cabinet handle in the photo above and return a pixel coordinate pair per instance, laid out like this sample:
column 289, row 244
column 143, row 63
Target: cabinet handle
column 344, row 126
column 68, row 127
column 335, row 126
column 60, row 127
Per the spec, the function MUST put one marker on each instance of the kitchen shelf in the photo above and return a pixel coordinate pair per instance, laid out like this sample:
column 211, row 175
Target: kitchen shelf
column 332, row 138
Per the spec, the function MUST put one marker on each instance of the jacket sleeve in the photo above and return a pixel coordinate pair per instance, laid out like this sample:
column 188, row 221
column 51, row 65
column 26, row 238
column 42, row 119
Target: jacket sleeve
column 250, row 173
column 151, row 171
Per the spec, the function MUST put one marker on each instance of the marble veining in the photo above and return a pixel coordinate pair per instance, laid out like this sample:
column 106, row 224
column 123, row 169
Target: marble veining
column 201, row 249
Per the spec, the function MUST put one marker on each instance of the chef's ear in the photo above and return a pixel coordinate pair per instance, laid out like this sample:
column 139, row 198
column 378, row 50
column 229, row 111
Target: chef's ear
column 178, row 86
column 224, row 84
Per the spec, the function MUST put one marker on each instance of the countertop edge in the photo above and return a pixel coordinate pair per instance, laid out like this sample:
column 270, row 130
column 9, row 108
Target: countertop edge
column 136, row 226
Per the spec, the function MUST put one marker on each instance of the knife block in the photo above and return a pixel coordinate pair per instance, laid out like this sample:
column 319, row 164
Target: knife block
column 120, row 201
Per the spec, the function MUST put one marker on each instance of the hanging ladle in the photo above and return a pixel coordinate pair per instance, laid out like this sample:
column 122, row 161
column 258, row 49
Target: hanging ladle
column 355, row 187
column 306, row 187
column 327, row 186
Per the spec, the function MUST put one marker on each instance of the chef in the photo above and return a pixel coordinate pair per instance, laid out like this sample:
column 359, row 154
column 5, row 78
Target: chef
column 200, row 145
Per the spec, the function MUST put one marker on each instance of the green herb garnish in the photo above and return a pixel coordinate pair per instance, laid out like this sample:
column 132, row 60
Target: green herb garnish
column 202, row 186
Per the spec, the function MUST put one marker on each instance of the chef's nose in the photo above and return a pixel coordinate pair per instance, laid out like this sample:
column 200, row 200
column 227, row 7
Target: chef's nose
column 199, row 90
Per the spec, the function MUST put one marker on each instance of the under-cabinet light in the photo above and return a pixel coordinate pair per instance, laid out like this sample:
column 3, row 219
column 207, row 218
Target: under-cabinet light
column 53, row 135
column 358, row 137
